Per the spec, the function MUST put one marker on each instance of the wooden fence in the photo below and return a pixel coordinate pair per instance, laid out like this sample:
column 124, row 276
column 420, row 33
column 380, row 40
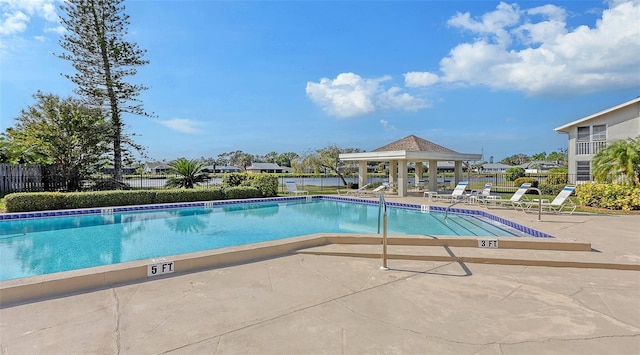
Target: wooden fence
column 20, row 177
column 31, row 178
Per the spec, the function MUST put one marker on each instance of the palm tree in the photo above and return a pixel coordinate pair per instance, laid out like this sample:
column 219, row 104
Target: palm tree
column 621, row 158
column 189, row 171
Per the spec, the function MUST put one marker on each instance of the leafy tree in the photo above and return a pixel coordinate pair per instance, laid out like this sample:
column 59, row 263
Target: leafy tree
column 514, row 173
column 103, row 61
column 189, row 173
column 286, row 159
column 560, row 157
column 619, row 158
column 539, row 156
column 328, row 159
column 63, row 132
column 237, row 158
column 516, row 159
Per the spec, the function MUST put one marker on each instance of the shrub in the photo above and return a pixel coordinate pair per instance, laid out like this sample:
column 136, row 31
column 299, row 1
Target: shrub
column 551, row 189
column 189, row 195
column 513, row 173
column 234, row 179
column 521, row 180
column 610, row 196
column 558, row 176
column 42, row 201
column 240, row 192
column 35, row 201
column 266, row 183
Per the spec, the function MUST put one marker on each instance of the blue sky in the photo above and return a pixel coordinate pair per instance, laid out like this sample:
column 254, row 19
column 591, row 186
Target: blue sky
column 296, row 76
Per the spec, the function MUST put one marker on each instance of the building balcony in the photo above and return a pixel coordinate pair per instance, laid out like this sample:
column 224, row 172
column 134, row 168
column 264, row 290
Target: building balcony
column 589, row 148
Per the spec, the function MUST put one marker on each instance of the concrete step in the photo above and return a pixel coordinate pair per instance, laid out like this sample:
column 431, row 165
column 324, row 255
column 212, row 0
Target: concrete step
column 467, row 250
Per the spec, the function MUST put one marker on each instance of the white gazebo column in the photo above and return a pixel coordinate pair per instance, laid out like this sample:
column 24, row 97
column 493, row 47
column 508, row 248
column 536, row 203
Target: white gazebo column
column 457, row 170
column 362, row 173
column 418, row 173
column 403, row 172
column 393, row 172
column 433, row 175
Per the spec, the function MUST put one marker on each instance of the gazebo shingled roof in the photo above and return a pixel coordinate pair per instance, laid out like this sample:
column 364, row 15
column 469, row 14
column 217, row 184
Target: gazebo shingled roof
column 414, row 144
column 406, row 150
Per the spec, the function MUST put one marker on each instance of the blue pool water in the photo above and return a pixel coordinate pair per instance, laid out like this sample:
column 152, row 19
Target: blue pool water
column 38, row 246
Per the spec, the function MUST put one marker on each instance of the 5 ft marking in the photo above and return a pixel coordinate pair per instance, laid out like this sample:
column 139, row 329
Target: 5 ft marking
column 160, row 268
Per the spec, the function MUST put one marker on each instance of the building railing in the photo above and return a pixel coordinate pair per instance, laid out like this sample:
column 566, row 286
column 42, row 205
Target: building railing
column 589, row 148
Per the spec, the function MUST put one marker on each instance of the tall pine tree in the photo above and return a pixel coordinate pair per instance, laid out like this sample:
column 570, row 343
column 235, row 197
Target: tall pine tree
column 104, row 60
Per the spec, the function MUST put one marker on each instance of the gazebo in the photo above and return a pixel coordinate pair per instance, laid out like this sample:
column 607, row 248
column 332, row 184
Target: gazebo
column 407, row 150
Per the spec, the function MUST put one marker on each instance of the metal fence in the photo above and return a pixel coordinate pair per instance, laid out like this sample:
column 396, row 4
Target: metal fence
column 30, row 178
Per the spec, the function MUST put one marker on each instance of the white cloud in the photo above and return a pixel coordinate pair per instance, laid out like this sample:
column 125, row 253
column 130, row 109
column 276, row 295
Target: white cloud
column 15, row 15
column 387, row 126
column 183, row 125
column 550, row 59
column 349, row 95
column 493, row 23
column 416, row 79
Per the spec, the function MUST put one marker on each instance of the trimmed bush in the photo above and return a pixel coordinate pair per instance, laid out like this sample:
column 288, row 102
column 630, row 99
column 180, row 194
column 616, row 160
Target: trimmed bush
column 34, row 201
column 558, row 176
column 189, row 195
column 610, row 196
column 266, row 183
column 550, row 189
column 42, row 201
column 241, row 192
column 519, row 181
column 234, row 179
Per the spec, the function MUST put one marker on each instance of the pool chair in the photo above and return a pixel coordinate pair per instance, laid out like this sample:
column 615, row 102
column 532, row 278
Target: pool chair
column 355, row 192
column 482, row 196
column 377, row 191
column 456, row 195
column 293, row 189
column 559, row 203
column 514, row 201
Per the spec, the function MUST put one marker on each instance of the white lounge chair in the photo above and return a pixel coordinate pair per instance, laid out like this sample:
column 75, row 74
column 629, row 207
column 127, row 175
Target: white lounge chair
column 558, row 204
column 457, row 194
column 377, row 191
column 483, row 195
column 293, row 189
column 356, row 192
column 514, row 201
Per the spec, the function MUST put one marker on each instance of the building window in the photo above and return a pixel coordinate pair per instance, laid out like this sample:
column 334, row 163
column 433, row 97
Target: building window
column 583, row 171
column 599, row 133
column 591, row 139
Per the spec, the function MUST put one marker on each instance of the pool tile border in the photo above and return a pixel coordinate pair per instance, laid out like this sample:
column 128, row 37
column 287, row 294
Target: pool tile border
column 109, row 210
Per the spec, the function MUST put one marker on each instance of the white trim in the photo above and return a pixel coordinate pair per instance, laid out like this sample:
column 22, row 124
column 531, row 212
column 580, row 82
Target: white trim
column 565, row 128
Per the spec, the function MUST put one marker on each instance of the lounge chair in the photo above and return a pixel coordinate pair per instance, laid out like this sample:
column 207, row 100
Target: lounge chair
column 293, row 189
column 559, row 203
column 457, row 194
column 477, row 196
column 356, row 192
column 514, row 201
column 377, row 191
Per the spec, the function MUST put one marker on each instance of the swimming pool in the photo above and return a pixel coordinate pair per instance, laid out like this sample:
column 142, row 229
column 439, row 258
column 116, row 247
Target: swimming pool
column 70, row 240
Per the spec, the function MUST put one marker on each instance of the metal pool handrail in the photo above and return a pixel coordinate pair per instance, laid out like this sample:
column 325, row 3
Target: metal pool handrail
column 382, row 209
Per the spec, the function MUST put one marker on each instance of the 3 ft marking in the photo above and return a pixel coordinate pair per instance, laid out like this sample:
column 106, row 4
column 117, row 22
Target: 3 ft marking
column 487, row 243
column 160, row 268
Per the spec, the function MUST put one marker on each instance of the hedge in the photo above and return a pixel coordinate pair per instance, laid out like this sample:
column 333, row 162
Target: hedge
column 43, row 201
column 610, row 196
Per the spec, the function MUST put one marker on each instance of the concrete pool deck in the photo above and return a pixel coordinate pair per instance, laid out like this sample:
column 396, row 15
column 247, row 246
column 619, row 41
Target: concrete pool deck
column 312, row 302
